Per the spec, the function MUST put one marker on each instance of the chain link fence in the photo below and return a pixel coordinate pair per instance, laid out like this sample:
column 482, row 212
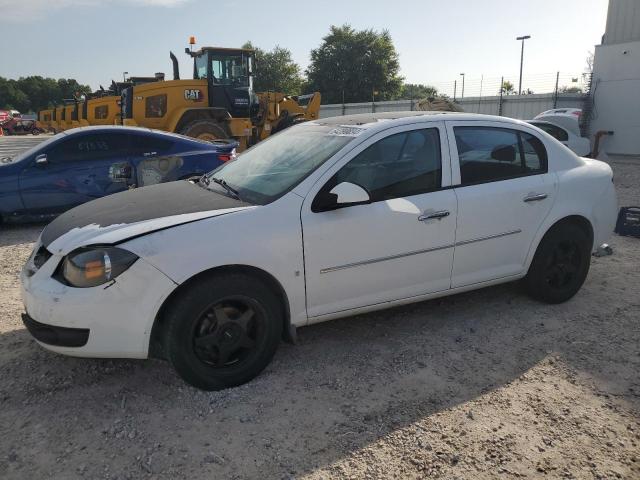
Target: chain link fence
column 490, row 95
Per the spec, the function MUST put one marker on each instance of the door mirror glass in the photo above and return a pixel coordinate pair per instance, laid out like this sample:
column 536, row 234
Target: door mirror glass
column 344, row 194
column 349, row 194
column 42, row 159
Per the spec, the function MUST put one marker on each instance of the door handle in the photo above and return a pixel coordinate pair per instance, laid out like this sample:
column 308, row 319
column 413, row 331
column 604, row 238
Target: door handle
column 432, row 216
column 534, row 197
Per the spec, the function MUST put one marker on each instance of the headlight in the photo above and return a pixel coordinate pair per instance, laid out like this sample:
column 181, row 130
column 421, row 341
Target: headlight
column 93, row 266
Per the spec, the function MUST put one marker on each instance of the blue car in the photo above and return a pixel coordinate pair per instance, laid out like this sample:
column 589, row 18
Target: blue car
column 83, row 164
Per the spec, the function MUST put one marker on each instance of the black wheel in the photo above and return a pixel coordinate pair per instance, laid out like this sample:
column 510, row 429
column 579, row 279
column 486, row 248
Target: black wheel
column 223, row 331
column 560, row 265
column 205, row 130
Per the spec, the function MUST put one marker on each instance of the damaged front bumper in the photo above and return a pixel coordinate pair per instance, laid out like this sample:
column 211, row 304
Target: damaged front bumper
column 113, row 320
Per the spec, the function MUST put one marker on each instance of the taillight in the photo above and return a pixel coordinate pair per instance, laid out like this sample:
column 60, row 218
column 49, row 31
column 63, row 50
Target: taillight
column 227, row 157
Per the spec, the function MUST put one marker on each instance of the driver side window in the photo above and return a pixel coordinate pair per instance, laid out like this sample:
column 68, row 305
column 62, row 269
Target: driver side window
column 400, row 165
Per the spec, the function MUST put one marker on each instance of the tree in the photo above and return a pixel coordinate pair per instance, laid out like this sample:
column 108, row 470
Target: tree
column 70, row 88
column 589, row 62
column 355, row 66
column 276, row 71
column 30, row 94
column 507, row 88
column 410, row 91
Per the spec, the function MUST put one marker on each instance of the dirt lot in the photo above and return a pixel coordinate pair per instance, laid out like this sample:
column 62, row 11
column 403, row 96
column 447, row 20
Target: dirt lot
column 480, row 385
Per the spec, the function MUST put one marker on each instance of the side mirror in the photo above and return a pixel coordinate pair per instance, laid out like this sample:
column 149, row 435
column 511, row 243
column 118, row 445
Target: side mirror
column 41, row 160
column 344, row 194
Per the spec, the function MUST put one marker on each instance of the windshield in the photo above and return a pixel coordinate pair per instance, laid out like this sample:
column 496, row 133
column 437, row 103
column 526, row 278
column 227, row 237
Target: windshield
column 270, row 169
column 40, row 146
column 226, row 69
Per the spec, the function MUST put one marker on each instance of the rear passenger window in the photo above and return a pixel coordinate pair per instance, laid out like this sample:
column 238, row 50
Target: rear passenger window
column 141, row 145
column 88, row 147
column 489, row 154
column 535, row 155
column 399, row 165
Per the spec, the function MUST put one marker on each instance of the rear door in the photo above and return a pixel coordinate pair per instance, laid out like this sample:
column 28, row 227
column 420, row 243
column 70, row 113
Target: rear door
column 504, row 192
column 79, row 168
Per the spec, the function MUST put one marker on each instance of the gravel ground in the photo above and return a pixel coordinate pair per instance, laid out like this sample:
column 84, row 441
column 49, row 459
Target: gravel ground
column 479, row 385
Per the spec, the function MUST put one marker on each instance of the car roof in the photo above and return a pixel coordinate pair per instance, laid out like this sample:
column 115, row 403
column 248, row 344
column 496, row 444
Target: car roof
column 124, row 129
column 387, row 119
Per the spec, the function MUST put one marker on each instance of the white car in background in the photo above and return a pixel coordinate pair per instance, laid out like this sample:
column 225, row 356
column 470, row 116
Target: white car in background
column 326, row 219
column 563, row 125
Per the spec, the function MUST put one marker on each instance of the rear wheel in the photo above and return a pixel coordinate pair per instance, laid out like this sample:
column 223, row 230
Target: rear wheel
column 207, row 130
column 223, row 331
column 560, row 265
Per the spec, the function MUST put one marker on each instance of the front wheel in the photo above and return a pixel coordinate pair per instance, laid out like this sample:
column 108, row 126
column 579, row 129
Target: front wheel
column 207, row 130
column 223, row 331
column 560, row 265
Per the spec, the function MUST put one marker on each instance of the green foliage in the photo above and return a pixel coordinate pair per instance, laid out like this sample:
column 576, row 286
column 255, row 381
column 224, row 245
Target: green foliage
column 410, row 91
column 358, row 64
column 507, row 88
column 30, row 94
column 276, row 71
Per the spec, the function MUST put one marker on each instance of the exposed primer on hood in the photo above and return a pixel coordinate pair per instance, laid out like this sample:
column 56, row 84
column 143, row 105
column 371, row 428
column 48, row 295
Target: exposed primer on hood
column 94, row 234
column 117, row 217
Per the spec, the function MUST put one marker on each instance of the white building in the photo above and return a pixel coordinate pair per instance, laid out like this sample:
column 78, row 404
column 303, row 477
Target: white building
column 616, row 80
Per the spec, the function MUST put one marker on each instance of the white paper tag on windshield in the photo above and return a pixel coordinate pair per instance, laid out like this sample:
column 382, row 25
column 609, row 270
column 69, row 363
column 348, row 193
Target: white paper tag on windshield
column 346, row 131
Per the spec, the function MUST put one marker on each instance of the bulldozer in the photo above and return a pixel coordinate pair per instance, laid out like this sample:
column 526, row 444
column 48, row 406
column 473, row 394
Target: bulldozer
column 218, row 102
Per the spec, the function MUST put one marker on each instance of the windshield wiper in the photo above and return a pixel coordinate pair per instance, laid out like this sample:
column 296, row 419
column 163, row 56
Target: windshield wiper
column 230, row 190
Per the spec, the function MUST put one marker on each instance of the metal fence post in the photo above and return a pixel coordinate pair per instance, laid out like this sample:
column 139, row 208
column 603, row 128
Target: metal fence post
column 480, row 97
column 555, row 94
column 500, row 99
column 455, row 86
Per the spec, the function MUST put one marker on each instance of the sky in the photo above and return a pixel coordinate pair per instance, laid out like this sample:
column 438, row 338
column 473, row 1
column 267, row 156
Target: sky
column 95, row 41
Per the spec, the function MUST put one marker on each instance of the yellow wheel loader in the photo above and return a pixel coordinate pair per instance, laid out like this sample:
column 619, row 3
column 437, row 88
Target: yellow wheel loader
column 45, row 118
column 219, row 102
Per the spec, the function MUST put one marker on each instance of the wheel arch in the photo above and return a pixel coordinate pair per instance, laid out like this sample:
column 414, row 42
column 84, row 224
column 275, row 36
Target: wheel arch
column 188, row 115
column 156, row 348
column 576, row 219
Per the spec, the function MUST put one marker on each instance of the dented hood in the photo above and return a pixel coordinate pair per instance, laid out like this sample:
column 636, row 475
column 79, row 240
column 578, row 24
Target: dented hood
column 133, row 213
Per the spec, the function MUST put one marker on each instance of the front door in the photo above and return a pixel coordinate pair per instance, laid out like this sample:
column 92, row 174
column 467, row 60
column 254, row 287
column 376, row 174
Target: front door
column 79, row 168
column 398, row 246
column 504, row 193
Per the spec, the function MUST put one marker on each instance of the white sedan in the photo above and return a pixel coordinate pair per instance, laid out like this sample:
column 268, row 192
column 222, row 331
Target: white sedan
column 563, row 124
column 326, row 219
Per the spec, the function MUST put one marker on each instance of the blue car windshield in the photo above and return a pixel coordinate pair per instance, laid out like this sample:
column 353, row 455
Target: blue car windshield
column 274, row 166
column 40, row 146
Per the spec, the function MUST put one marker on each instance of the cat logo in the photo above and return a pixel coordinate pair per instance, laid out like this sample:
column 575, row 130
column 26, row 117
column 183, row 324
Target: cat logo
column 193, row 94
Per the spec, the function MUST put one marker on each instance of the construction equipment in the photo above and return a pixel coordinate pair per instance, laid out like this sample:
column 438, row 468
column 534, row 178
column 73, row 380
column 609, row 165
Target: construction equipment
column 219, row 102
column 44, row 119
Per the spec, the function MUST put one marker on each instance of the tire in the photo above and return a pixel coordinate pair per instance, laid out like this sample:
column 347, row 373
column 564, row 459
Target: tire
column 204, row 130
column 560, row 265
column 213, row 340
